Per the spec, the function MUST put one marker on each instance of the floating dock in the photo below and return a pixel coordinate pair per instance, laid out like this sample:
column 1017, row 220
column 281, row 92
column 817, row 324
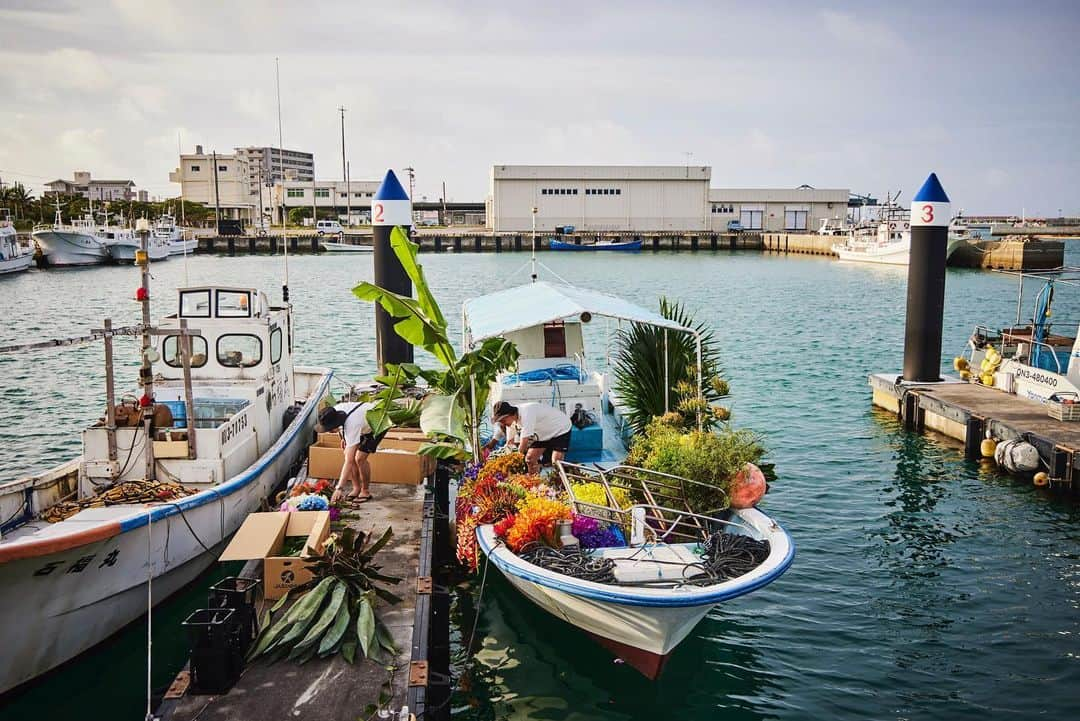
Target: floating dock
column 967, row 411
column 331, row 689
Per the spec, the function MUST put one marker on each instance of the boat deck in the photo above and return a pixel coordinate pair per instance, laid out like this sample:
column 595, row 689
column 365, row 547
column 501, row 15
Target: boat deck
column 331, row 688
column 966, row 411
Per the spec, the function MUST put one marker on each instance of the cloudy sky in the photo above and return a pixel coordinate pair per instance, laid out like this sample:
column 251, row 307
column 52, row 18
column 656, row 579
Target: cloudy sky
column 866, row 95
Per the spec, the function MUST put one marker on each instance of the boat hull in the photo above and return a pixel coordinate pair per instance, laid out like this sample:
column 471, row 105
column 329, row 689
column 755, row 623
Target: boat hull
column 14, row 265
column 182, row 247
column 888, row 255
column 335, row 247
column 124, row 251
column 630, row 245
column 71, row 588
column 61, row 248
column 641, row 625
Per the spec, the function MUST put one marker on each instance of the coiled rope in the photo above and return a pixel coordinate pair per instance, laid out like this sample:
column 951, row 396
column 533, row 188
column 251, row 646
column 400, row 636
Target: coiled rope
column 571, row 562
column 126, row 493
column 730, row 555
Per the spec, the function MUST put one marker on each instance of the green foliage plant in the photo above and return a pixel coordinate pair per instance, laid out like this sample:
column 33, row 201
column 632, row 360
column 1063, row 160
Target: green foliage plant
column 638, row 367
column 334, row 611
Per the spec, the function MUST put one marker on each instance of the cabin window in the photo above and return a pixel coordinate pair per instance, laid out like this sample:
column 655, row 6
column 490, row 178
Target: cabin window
column 195, row 304
column 233, row 304
column 554, row 340
column 239, row 350
column 170, row 351
column 275, row 345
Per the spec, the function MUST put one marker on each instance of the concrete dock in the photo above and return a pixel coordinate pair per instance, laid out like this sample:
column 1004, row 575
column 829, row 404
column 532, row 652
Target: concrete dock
column 966, row 411
column 411, row 685
column 1001, row 254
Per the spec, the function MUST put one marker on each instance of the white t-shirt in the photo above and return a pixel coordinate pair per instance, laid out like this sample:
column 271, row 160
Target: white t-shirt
column 542, row 422
column 356, row 424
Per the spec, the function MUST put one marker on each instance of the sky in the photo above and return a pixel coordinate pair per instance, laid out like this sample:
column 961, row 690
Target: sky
column 870, row 96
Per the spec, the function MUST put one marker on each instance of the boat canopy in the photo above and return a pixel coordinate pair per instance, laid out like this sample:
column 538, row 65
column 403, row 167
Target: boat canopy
column 525, row 306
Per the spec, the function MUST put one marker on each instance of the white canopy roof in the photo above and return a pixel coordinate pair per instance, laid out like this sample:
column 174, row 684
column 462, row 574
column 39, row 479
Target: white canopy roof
column 528, row 305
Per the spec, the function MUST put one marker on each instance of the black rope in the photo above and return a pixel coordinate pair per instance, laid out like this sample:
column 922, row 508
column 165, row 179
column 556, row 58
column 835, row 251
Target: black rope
column 571, row 562
column 730, row 555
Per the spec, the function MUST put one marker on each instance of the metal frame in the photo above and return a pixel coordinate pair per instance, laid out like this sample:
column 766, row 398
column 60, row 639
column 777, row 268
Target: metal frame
column 669, row 523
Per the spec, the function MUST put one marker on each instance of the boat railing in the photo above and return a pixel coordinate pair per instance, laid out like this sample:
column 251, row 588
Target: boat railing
column 661, row 509
column 1001, row 339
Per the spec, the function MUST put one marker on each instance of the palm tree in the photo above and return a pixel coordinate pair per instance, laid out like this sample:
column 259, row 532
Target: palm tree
column 639, row 371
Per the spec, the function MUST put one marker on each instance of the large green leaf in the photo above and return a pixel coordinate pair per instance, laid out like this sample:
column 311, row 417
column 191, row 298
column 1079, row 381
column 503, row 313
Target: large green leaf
column 413, row 325
column 406, row 252
column 336, row 633
column 365, row 625
column 272, row 633
column 443, row 415
column 444, row 451
column 326, row 619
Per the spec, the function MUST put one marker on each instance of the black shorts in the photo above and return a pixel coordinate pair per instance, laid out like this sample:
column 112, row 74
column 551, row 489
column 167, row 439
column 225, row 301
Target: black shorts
column 370, row 443
column 558, row 443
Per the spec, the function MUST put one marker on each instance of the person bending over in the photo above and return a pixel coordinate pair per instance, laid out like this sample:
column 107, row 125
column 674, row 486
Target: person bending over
column 350, row 420
column 542, row 427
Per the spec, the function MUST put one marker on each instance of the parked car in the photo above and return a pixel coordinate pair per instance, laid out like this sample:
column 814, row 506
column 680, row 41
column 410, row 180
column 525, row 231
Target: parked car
column 734, row 226
column 328, row 227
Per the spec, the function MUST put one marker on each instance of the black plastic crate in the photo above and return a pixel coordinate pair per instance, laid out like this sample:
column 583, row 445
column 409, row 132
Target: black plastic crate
column 238, row 593
column 217, row 658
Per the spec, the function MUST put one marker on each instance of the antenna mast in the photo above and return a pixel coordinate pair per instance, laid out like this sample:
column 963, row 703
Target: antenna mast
column 281, row 166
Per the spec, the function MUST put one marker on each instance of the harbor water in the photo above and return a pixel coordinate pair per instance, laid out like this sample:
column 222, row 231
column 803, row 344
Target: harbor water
column 924, row 585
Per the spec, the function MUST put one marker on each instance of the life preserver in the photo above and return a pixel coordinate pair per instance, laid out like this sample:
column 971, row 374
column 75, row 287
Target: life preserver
column 892, row 226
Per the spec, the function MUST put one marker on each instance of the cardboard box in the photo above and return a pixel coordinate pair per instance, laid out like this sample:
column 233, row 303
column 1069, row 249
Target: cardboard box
column 407, row 434
column 325, row 457
column 396, row 460
column 262, row 535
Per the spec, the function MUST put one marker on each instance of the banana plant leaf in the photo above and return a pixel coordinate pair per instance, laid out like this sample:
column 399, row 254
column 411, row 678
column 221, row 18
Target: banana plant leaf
column 405, row 251
column 444, row 415
column 414, row 325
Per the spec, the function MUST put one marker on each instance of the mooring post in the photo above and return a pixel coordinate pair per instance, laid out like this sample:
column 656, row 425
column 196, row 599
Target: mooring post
column 390, row 207
column 930, row 215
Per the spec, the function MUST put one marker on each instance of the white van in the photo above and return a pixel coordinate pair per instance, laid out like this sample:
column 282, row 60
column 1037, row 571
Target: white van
column 331, row 227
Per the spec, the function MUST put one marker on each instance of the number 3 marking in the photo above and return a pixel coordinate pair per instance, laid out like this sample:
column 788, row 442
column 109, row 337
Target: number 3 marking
column 379, row 212
column 928, row 214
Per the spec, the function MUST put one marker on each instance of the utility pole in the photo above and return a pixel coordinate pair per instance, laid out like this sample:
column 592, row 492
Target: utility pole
column 217, row 197
column 445, row 217
column 345, row 168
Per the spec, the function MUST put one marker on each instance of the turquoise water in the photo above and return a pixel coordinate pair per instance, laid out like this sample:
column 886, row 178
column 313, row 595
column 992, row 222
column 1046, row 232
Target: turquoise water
column 924, row 586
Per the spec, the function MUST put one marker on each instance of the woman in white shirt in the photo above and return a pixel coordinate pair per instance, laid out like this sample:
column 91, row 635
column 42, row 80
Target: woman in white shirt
column 542, row 427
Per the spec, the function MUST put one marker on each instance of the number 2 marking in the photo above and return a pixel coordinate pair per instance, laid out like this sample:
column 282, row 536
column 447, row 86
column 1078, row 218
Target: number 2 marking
column 378, row 212
column 928, row 214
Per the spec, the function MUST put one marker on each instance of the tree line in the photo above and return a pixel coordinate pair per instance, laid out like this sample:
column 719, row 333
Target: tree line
column 26, row 210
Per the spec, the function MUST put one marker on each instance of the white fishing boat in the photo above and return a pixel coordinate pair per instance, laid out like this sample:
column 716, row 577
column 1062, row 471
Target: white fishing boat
column 887, row 242
column 833, row 227
column 121, row 244
column 14, row 256
column 166, row 229
column 1039, row 359
column 72, row 244
column 80, row 542
column 343, row 246
column 659, row 587
column 546, row 323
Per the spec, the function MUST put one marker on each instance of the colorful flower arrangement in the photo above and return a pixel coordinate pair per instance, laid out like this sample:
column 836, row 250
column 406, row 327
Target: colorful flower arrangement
column 594, row 494
column 592, row 533
column 535, row 522
column 320, row 487
column 312, row 496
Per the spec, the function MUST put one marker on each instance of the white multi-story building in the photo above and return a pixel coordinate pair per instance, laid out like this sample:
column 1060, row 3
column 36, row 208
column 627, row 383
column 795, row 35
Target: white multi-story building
column 323, row 195
column 91, row 188
column 227, row 188
column 647, row 199
column 271, row 165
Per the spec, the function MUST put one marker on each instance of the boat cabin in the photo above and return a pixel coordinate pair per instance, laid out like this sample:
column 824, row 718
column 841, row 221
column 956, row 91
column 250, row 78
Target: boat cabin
column 241, row 372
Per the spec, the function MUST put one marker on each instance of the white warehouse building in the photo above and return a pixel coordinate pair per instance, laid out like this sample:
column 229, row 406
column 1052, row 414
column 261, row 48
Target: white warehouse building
column 618, row 198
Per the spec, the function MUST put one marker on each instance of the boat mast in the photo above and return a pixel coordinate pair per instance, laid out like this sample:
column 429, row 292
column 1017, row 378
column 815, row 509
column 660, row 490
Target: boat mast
column 281, row 167
column 146, row 374
column 533, row 260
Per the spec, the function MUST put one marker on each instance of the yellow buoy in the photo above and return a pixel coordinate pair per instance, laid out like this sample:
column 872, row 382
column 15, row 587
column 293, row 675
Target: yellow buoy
column 960, row 363
column 1041, row 479
column 987, row 379
column 987, row 447
column 965, row 375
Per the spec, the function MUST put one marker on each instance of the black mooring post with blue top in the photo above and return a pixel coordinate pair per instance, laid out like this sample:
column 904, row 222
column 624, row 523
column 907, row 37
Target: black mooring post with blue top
column 930, row 215
column 389, row 208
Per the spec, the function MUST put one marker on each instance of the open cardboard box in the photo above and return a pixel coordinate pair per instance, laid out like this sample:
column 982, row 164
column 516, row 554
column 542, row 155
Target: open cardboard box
column 396, row 460
column 262, row 535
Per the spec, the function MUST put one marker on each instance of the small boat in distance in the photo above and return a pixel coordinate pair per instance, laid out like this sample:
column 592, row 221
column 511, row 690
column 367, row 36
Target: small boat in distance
column 343, row 246
column 888, row 241
column 604, row 244
column 14, row 256
column 74, row 244
column 177, row 243
column 121, row 244
column 833, row 226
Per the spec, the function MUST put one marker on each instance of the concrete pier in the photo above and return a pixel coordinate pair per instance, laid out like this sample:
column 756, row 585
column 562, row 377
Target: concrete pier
column 966, row 411
column 331, row 689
